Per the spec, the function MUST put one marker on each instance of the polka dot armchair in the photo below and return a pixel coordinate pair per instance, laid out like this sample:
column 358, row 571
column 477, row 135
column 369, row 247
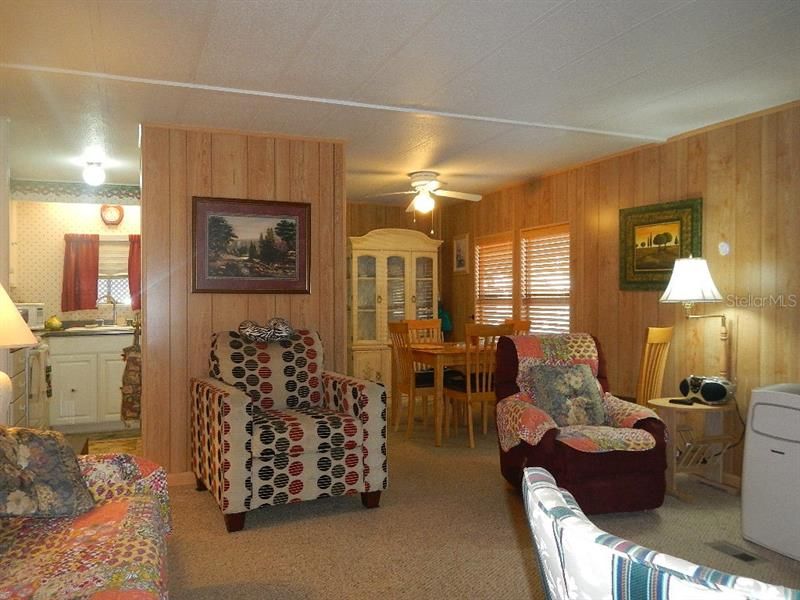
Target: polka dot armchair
column 270, row 426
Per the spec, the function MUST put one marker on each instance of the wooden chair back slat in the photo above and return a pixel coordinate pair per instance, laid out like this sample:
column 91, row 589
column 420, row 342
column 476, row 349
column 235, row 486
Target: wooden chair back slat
column 653, row 363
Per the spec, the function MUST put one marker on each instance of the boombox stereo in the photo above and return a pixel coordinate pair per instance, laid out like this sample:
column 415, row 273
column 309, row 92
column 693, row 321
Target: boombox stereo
column 708, row 390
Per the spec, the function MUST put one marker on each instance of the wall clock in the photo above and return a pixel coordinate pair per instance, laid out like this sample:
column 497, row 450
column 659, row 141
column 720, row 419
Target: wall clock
column 111, row 214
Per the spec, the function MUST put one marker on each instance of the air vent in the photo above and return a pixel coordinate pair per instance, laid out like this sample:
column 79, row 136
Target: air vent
column 735, row 551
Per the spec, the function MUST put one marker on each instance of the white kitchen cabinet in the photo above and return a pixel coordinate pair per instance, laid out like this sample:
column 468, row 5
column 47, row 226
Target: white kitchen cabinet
column 110, row 366
column 393, row 275
column 86, row 378
column 17, row 410
column 74, row 389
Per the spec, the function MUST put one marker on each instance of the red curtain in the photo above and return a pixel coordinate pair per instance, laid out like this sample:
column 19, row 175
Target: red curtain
column 81, row 267
column 135, row 270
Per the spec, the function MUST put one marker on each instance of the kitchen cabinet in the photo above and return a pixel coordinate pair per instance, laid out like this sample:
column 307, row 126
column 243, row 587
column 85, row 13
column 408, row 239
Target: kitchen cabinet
column 86, row 377
column 74, row 389
column 393, row 275
column 28, row 406
column 18, row 409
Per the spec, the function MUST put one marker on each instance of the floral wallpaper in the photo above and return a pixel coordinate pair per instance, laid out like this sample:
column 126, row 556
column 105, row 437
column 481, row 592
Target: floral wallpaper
column 37, row 257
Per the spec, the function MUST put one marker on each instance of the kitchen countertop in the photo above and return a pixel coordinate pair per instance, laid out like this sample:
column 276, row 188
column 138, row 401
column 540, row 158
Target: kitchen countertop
column 83, row 331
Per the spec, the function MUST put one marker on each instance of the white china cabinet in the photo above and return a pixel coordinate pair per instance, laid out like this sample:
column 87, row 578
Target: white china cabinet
column 393, row 275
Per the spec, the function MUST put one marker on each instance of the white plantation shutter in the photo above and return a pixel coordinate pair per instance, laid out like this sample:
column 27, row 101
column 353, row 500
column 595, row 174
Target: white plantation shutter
column 545, row 278
column 494, row 279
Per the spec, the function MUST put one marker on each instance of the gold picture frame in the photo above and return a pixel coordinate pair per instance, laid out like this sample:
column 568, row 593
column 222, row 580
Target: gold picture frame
column 652, row 237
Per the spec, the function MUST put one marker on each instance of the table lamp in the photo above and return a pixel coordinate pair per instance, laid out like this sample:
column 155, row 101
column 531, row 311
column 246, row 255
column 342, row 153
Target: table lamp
column 14, row 333
column 691, row 283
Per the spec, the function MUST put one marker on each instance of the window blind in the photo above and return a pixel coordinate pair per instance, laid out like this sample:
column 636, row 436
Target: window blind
column 494, row 279
column 113, row 262
column 544, row 255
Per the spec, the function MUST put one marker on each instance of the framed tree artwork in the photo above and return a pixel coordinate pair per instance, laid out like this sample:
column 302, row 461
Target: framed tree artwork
column 652, row 237
column 250, row 246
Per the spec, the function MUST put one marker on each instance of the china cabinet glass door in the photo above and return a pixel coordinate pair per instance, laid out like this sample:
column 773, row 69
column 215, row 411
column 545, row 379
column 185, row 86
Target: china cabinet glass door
column 366, row 298
column 423, row 292
column 395, row 288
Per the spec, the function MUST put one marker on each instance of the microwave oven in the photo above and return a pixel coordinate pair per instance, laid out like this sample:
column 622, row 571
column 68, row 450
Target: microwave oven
column 32, row 313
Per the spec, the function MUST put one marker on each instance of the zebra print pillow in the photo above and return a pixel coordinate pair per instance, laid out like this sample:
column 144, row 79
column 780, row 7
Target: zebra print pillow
column 275, row 329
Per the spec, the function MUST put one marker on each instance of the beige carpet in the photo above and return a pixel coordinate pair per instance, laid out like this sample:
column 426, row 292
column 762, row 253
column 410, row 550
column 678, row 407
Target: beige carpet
column 448, row 527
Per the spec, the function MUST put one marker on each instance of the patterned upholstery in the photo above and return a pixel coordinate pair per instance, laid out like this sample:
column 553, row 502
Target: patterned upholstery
column 617, row 464
column 117, row 549
column 271, row 426
column 578, row 560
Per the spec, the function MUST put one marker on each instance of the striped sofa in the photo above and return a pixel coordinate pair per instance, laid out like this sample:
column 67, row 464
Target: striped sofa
column 578, row 560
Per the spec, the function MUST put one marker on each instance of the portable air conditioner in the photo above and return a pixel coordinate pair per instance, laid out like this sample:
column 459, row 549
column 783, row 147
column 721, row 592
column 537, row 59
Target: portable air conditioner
column 771, row 471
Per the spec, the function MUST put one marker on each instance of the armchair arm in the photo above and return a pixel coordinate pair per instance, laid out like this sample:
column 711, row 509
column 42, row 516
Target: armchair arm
column 112, row 476
column 221, row 431
column 621, row 413
column 519, row 419
column 366, row 401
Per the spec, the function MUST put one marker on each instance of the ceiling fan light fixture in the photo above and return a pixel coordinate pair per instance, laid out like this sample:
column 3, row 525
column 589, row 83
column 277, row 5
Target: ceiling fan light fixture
column 423, row 202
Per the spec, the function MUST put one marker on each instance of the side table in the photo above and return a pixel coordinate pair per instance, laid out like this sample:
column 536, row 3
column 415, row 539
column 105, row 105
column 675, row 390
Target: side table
column 701, row 457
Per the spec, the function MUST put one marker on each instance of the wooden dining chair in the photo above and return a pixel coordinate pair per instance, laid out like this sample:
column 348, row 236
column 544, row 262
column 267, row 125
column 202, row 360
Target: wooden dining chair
column 425, row 331
column 405, row 378
column 477, row 385
column 521, row 326
column 653, row 363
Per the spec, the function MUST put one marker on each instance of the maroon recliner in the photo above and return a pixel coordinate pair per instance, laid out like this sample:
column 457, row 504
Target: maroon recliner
column 606, row 481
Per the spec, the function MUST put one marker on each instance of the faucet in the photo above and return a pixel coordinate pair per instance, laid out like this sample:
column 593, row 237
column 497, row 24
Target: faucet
column 109, row 299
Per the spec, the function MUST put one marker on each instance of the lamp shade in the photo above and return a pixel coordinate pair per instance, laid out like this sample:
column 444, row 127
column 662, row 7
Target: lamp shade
column 14, row 332
column 691, row 282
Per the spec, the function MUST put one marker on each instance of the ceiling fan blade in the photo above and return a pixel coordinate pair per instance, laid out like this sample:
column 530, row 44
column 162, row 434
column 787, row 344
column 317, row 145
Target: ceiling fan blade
column 459, row 195
column 410, row 207
column 388, row 194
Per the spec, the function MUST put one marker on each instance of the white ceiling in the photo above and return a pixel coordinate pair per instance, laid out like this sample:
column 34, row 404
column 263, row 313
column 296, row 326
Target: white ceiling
column 486, row 93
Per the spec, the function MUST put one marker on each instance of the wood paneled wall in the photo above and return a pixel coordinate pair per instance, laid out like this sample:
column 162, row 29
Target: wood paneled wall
column 748, row 174
column 178, row 164
column 363, row 218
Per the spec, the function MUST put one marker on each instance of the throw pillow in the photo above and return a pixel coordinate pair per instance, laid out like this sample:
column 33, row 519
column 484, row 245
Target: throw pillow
column 39, row 475
column 275, row 329
column 570, row 394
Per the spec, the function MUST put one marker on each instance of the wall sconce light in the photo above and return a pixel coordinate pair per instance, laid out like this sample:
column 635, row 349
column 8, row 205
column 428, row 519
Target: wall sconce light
column 691, row 283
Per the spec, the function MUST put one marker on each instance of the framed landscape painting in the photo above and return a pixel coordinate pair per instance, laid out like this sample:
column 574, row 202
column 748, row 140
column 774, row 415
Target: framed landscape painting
column 652, row 237
column 250, row 246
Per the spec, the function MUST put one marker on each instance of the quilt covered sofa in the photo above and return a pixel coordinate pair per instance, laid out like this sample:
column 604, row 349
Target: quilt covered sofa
column 609, row 453
column 579, row 560
column 116, row 549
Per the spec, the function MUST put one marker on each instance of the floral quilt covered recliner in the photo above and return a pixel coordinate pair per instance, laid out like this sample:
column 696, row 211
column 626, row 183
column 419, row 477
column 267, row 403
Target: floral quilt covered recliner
column 270, row 426
column 554, row 411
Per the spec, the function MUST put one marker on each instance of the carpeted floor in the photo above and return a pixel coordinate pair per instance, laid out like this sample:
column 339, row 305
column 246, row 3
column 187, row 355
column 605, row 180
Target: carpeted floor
column 448, row 527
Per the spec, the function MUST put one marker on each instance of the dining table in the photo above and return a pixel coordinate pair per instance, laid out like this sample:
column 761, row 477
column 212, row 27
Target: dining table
column 439, row 355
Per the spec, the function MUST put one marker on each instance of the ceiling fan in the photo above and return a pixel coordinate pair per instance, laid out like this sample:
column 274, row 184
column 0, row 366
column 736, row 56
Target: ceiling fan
column 425, row 183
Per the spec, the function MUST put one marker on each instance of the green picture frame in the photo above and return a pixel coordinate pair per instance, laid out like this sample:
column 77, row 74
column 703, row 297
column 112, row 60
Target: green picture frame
column 652, row 237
